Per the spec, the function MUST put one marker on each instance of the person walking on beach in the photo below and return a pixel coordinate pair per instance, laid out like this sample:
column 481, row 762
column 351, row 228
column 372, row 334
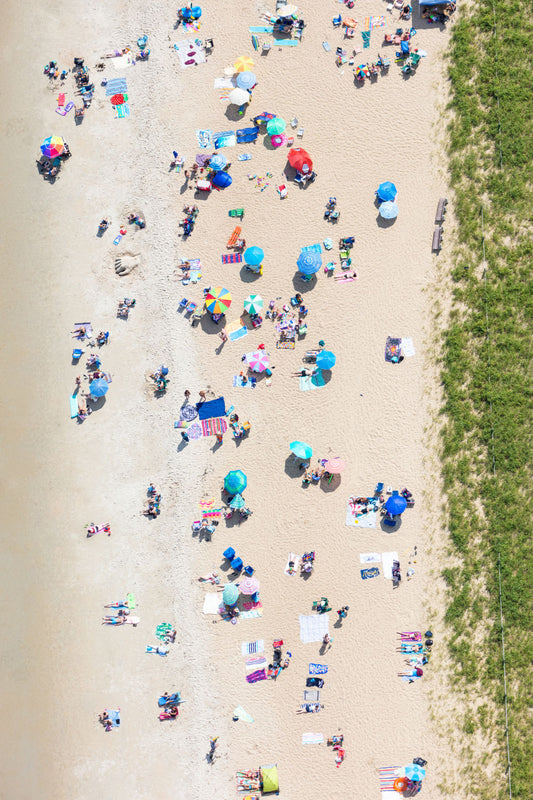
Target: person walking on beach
column 343, row 612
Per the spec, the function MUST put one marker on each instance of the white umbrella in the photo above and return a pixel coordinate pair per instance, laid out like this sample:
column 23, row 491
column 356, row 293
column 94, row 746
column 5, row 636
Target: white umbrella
column 239, row 97
column 286, row 11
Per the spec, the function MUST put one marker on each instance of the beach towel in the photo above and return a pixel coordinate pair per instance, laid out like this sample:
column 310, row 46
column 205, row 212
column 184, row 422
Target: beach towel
column 244, row 157
column 387, row 559
column 212, row 427
column 378, row 22
column 73, row 406
column 231, row 258
column 255, row 42
column 261, row 29
column 408, row 348
column 249, row 648
column 241, row 714
column 311, row 696
column 318, row 669
column 123, row 111
column 286, row 42
column 162, row 631
column 370, row 558
column 259, row 675
column 125, row 61
column 64, row 111
column 346, row 277
column 211, row 408
column 393, row 349
column 312, row 248
column 365, row 35
column 116, row 86
column 369, row 572
column 312, row 738
column 357, row 518
column 194, row 431
column 130, row 599
column 286, row 344
column 88, row 329
column 255, row 662
column 296, row 559
column 247, row 134
column 114, row 716
column 158, row 651
column 308, row 382
column 251, row 613
column 189, row 53
column 242, row 382
column 224, row 139
column 204, row 137
column 313, row 627
column 212, row 602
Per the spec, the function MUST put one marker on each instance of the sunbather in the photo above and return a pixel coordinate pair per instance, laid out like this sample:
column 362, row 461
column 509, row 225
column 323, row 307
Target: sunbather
column 113, row 620
column 310, row 708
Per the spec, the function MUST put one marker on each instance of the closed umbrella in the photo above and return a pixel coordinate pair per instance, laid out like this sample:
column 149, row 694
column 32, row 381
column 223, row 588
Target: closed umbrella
column 98, row 387
column 243, row 64
column 335, row 465
column 414, row 772
column 309, row 262
column 387, row 191
column 230, row 595
column 276, row 125
column 258, row 361
column 239, row 97
column 325, row 359
column 396, row 504
column 278, row 140
column 218, row 300
column 249, row 586
column 253, row 256
column 253, row 304
column 235, row 481
column 298, row 158
column 52, row 147
column 246, row 80
column 222, row 180
column 218, row 162
column 301, row 449
column 388, row 210
column 237, row 502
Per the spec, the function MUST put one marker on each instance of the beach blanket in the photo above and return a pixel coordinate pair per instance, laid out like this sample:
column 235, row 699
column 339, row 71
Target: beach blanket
column 231, row 258
column 370, row 558
column 387, row 559
column 296, row 559
column 286, row 42
column 114, row 716
column 251, row 613
column 312, row 248
column 116, row 86
column 211, row 408
column 387, row 776
column 224, row 139
column 212, row 602
column 249, row 648
column 238, row 333
column 261, row 29
column 259, row 675
column 308, row 382
column 241, row 714
column 286, row 344
column 378, row 22
column 122, row 62
column 162, row 630
column 255, row 662
column 311, row 696
column 313, row 627
column 247, row 134
column 88, row 330
column 189, row 53
column 123, row 111
column 204, row 137
column 369, row 572
column 357, row 517
column 393, row 349
column 73, row 406
column 312, row 738
column 64, row 111
column 408, row 348
column 212, row 427
column 318, row 669
column 242, row 382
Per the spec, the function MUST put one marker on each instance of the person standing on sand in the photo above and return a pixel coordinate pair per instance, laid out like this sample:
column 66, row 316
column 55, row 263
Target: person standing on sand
column 203, row 397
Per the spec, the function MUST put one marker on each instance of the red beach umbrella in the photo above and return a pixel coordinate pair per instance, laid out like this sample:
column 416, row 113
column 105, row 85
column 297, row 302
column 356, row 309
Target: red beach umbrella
column 117, row 100
column 298, row 158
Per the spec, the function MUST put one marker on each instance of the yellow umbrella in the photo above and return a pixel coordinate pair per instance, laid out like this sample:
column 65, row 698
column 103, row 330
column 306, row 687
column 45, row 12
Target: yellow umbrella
column 243, row 64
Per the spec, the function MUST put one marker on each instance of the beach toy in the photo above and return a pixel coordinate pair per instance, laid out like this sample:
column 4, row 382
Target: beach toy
column 400, row 785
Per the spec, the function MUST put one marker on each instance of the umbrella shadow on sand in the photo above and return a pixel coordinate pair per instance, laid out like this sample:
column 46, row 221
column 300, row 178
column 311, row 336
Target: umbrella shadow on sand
column 293, row 467
column 331, row 486
column 210, row 327
column 97, row 404
column 247, row 276
column 384, row 223
column 304, row 286
column 233, row 114
column 391, row 528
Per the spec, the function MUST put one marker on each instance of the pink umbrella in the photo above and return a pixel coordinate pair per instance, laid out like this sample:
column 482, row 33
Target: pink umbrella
column 258, row 361
column 335, row 465
column 249, row 586
column 278, row 140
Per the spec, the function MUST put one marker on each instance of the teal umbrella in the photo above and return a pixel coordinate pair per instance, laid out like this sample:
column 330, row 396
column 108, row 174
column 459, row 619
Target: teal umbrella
column 325, row 360
column 230, row 595
column 301, row 449
column 235, row 481
column 275, row 126
column 237, row 502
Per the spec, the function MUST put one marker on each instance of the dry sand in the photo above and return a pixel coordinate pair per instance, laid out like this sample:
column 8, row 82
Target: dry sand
column 60, row 666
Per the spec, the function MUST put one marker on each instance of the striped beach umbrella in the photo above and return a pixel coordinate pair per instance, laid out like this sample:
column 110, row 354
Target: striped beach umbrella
column 249, row 586
column 253, row 304
column 52, row 147
column 243, row 64
column 218, row 300
column 258, row 361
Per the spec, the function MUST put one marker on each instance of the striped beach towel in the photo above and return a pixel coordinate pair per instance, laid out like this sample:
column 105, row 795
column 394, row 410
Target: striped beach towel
column 255, row 662
column 210, row 427
column 231, row 258
column 249, row 648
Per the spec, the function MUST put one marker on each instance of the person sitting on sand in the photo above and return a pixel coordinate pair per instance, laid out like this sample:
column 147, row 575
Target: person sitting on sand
column 80, row 332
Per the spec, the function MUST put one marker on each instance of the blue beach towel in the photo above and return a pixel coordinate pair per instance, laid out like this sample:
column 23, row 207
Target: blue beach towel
column 261, row 29
column 116, row 86
column 238, row 334
column 312, row 248
column 224, row 139
column 318, row 669
column 370, row 572
column 73, row 406
column 123, row 111
column 211, row 408
column 286, row 42
column 247, row 134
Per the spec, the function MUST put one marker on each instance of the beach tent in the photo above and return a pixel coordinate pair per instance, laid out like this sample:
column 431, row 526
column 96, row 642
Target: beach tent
column 222, row 180
column 269, row 777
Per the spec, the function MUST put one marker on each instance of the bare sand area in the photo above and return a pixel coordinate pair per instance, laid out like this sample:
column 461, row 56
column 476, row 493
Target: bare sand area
column 61, row 666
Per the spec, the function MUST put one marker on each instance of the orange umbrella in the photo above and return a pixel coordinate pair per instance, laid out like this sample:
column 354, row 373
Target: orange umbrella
column 299, row 158
column 243, row 64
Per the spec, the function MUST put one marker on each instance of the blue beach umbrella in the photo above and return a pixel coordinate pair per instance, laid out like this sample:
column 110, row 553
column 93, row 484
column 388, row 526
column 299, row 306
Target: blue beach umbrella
column 196, row 12
column 414, row 772
column 326, row 359
column 309, row 262
column 222, row 180
column 387, row 191
column 396, row 505
column 253, row 256
column 388, row 210
column 237, row 502
column 230, row 595
column 235, row 481
column 301, row 449
column 98, row 387
column 218, row 162
column 246, row 80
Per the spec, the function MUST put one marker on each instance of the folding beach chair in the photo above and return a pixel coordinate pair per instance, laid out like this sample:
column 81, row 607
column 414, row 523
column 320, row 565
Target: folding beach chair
column 229, row 554
column 236, row 212
column 234, row 237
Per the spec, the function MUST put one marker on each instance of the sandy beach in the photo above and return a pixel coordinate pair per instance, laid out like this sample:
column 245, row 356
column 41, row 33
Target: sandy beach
column 61, row 666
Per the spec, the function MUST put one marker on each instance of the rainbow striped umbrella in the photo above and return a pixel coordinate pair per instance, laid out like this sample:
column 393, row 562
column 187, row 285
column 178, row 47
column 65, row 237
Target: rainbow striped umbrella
column 52, row 147
column 218, row 300
column 258, row 361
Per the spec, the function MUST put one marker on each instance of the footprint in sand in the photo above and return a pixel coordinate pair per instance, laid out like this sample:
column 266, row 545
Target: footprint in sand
column 126, row 263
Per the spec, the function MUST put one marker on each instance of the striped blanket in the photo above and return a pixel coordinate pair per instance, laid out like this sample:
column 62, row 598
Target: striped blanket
column 210, row 427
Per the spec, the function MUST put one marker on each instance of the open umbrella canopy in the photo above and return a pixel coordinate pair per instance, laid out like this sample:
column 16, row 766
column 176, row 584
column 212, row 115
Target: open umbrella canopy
column 230, row 595
column 325, row 359
column 298, row 158
column 287, row 11
column 243, row 64
column 235, row 481
column 52, row 147
column 196, row 12
column 246, row 80
column 253, row 256
column 253, row 304
column 335, row 465
column 258, row 361
column 222, row 180
column 237, row 502
column 118, row 100
column 278, row 140
column 362, row 71
column 387, row 191
column 218, row 300
column 301, row 449
column 276, row 125
column 249, row 586
column 388, row 210
column 414, row 772
column 239, row 97
column 98, row 387
column 396, row 504
column 309, row 262
column 218, row 162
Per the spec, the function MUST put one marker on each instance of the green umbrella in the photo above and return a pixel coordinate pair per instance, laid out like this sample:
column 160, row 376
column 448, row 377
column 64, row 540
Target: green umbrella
column 230, row 595
column 301, row 449
column 237, row 502
column 253, row 304
column 235, row 481
column 276, row 126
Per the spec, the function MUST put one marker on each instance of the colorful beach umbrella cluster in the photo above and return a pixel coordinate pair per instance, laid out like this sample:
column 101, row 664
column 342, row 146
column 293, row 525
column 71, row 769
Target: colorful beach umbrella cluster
column 218, row 300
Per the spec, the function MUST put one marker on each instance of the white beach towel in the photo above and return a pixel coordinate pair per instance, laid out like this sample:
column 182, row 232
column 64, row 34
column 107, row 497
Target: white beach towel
column 312, row 738
column 387, row 559
column 313, row 627
column 121, row 62
column 354, row 520
column 225, row 83
column 311, row 696
column 296, row 559
column 370, row 558
column 408, row 348
column 243, row 715
column 212, row 603
column 188, row 51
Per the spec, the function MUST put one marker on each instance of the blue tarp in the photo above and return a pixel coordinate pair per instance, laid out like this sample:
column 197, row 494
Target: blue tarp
column 422, row 3
column 211, row 408
column 247, row 135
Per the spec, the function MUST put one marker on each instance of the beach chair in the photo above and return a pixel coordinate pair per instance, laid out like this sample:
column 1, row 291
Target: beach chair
column 266, row 47
column 233, row 239
column 299, row 178
column 282, row 191
column 300, row 133
column 190, row 307
column 237, row 564
column 441, row 210
column 379, row 488
column 415, row 59
column 249, row 571
column 236, row 212
column 337, row 21
column 229, row 554
column 77, row 354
